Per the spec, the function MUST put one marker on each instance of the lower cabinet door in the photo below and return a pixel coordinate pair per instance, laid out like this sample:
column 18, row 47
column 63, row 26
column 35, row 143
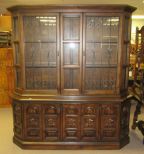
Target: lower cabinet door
column 89, row 122
column 52, row 116
column 109, row 122
column 33, row 122
column 71, row 122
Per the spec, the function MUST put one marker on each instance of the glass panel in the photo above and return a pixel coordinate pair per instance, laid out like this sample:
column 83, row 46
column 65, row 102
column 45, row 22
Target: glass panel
column 40, row 28
column 102, row 29
column 40, row 54
column 71, row 53
column 101, row 53
column 17, row 53
column 94, row 29
column 15, row 28
column 40, row 36
column 71, row 27
column 18, row 78
column 71, row 78
column 102, row 35
column 100, row 79
column 41, row 78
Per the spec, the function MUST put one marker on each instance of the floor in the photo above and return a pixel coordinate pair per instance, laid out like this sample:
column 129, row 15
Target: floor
column 8, row 147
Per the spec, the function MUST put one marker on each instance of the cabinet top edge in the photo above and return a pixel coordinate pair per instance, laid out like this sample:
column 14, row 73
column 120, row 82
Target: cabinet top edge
column 61, row 8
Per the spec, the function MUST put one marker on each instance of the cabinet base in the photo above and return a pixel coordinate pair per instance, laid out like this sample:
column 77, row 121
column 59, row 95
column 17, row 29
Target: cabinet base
column 71, row 145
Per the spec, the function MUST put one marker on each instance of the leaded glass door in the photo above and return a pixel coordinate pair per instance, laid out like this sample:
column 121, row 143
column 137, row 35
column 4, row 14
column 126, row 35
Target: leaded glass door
column 41, row 35
column 100, row 48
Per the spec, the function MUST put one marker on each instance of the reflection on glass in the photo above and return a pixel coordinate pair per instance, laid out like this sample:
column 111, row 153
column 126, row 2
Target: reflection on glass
column 72, row 45
column 40, row 28
column 71, row 53
column 102, row 29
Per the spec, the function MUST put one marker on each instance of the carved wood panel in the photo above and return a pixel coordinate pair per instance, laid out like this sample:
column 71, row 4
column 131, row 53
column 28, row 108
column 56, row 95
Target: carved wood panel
column 89, row 122
column 33, row 125
column 52, row 122
column 109, row 122
column 71, row 122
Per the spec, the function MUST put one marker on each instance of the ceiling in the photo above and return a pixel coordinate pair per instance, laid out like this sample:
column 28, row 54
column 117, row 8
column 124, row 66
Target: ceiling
column 136, row 3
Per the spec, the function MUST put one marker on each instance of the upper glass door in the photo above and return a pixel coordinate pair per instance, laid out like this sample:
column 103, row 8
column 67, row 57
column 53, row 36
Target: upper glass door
column 101, row 52
column 41, row 51
column 71, row 32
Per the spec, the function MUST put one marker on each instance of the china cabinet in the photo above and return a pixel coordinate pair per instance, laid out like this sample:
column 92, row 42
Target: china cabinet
column 71, row 73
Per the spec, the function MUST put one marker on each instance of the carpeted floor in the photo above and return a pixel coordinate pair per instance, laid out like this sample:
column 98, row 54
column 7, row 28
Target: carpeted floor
column 7, row 147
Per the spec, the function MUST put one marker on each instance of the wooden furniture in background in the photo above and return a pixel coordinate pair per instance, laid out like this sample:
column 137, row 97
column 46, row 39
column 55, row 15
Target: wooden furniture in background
column 6, row 76
column 71, row 65
column 138, row 86
column 5, row 39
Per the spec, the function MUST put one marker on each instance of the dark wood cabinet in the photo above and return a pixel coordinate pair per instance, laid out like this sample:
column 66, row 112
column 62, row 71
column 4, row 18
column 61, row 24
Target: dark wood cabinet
column 71, row 71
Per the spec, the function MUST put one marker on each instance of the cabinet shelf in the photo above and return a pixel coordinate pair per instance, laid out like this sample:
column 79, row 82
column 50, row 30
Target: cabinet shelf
column 71, row 41
column 103, row 43
column 71, row 66
column 101, row 66
column 40, row 42
column 41, row 66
